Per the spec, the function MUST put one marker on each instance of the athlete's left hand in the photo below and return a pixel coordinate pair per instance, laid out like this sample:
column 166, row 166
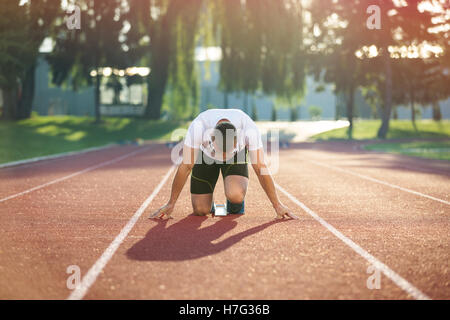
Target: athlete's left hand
column 283, row 211
column 165, row 210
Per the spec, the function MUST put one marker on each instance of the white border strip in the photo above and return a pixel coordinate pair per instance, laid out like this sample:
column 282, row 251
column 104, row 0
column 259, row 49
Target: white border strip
column 54, row 156
column 378, row 181
column 89, row 279
column 102, row 164
column 388, row 272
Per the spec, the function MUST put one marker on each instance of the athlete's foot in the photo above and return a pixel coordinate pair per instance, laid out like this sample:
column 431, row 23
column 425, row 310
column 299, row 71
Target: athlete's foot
column 236, row 208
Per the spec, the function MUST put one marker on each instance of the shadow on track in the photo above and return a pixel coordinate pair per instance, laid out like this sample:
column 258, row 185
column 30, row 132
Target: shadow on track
column 185, row 241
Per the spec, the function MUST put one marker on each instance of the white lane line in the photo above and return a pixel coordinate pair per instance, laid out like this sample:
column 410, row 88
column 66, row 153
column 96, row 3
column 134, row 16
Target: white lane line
column 31, row 161
column 102, row 164
column 81, row 290
column 388, row 272
column 378, row 181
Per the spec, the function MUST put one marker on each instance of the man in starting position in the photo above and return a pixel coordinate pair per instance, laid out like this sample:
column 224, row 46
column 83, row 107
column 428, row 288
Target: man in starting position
column 220, row 140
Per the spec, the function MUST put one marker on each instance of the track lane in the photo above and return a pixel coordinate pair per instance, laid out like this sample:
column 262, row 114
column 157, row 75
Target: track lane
column 91, row 276
column 249, row 257
column 15, row 180
column 408, row 233
column 374, row 262
column 69, row 223
column 429, row 177
column 74, row 174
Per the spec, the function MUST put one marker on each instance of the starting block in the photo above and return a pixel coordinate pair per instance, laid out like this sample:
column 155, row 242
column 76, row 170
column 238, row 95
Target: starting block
column 220, row 210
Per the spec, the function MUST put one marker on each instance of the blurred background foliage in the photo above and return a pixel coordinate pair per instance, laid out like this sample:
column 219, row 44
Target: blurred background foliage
column 267, row 46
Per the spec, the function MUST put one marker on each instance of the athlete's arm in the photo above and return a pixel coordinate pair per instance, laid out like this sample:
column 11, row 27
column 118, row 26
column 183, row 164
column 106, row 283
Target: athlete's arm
column 267, row 183
column 183, row 171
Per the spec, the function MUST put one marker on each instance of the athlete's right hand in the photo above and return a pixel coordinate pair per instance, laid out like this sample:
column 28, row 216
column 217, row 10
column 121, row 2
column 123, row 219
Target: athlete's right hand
column 165, row 210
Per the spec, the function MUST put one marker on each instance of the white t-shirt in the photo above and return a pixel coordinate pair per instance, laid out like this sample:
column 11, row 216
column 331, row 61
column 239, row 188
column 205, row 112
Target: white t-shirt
column 201, row 129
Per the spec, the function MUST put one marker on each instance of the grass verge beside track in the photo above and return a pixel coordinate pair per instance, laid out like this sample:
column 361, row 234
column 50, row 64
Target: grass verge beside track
column 42, row 136
column 431, row 140
column 423, row 149
column 398, row 129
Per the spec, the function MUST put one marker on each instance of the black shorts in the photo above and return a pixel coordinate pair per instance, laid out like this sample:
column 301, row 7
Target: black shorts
column 205, row 174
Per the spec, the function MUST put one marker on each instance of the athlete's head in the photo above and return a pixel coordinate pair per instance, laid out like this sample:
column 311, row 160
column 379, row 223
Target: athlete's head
column 224, row 136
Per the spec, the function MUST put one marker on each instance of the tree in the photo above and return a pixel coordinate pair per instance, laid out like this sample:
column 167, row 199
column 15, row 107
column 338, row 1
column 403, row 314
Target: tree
column 23, row 27
column 341, row 32
column 81, row 57
column 404, row 25
column 436, row 78
column 262, row 47
column 255, row 54
column 410, row 84
column 15, row 54
column 163, row 34
column 183, row 80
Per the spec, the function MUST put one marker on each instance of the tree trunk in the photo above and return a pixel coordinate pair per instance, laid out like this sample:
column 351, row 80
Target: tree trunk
column 395, row 114
column 246, row 109
column 413, row 114
column 156, row 88
column 117, row 96
column 25, row 104
column 412, row 104
column 225, row 99
column 437, row 115
column 274, row 113
column 9, row 103
column 294, row 113
column 387, row 108
column 254, row 112
column 159, row 66
column 350, row 109
column 97, row 98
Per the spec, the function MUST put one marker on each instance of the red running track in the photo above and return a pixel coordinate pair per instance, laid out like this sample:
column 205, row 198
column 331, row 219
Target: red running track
column 80, row 205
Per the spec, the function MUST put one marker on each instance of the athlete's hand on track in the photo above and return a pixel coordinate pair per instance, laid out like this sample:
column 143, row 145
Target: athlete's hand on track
column 283, row 211
column 165, row 210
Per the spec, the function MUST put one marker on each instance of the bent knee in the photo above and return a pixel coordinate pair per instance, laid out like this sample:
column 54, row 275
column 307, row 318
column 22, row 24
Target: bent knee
column 201, row 210
column 235, row 196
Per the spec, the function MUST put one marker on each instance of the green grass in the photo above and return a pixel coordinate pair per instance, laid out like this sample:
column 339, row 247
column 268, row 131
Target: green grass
column 423, row 149
column 398, row 129
column 41, row 136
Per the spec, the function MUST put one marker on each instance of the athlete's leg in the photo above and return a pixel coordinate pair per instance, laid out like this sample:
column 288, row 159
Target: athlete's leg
column 202, row 203
column 236, row 183
column 203, row 181
column 235, row 188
